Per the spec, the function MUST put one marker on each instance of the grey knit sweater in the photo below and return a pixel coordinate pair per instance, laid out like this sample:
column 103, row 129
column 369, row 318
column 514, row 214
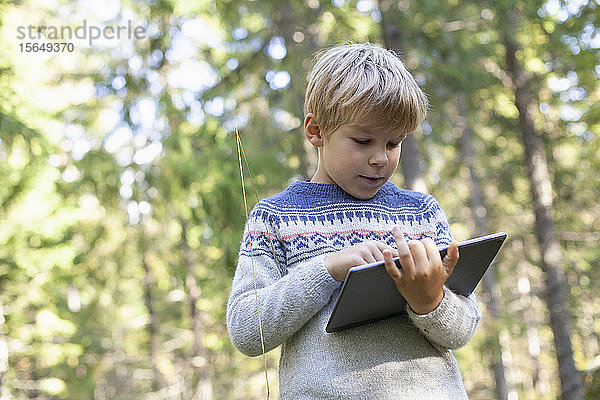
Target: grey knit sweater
column 404, row 357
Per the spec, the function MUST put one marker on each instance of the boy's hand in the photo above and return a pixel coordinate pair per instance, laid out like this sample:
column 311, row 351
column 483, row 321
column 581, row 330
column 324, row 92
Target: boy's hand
column 423, row 273
column 340, row 262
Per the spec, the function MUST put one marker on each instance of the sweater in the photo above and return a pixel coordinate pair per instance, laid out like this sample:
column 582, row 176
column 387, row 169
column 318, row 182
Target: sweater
column 404, row 357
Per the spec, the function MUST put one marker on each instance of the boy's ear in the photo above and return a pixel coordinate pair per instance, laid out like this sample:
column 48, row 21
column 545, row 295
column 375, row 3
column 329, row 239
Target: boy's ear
column 312, row 130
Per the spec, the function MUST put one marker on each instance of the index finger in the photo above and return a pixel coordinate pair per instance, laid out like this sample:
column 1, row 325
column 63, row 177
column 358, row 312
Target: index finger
column 406, row 259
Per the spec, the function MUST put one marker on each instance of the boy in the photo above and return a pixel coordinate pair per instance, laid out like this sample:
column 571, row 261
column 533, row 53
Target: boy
column 361, row 102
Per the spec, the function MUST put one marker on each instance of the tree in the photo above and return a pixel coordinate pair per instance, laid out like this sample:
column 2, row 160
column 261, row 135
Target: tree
column 411, row 161
column 541, row 195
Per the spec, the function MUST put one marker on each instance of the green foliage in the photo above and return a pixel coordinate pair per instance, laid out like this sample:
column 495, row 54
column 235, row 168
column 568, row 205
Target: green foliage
column 121, row 209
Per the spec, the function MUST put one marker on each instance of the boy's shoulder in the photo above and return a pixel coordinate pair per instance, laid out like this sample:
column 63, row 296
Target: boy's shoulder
column 298, row 195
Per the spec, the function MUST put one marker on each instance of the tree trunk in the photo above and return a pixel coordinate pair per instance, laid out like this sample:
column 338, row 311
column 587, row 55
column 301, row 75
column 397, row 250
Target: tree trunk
column 527, row 311
column 286, row 22
column 541, row 194
column 152, row 328
column 410, row 160
column 4, row 391
column 202, row 388
column 412, row 165
column 481, row 228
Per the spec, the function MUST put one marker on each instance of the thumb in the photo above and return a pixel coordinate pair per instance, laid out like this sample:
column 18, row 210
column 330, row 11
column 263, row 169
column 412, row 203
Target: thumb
column 451, row 258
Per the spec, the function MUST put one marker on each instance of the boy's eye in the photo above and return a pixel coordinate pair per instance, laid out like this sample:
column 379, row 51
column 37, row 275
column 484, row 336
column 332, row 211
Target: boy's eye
column 362, row 141
column 393, row 144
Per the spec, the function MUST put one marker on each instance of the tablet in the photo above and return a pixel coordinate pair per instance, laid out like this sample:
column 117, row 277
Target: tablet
column 369, row 294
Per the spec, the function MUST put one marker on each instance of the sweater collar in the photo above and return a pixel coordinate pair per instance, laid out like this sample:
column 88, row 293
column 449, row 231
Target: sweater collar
column 332, row 190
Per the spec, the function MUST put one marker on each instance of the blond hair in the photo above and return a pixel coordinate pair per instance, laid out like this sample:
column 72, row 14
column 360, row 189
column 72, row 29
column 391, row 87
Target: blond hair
column 358, row 84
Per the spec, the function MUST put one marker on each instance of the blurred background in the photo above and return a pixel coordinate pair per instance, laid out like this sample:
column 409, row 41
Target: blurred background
column 121, row 209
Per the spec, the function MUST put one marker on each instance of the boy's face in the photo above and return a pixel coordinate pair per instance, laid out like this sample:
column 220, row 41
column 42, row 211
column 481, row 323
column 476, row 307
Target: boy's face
column 358, row 159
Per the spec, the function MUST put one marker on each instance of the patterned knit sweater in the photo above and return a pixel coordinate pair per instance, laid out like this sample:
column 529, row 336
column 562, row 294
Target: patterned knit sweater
column 404, row 357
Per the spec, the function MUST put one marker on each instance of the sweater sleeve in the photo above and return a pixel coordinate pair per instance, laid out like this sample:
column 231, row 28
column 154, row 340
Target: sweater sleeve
column 284, row 303
column 453, row 323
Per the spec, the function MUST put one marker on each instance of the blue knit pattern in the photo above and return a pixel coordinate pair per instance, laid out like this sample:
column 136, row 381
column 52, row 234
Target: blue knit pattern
column 309, row 219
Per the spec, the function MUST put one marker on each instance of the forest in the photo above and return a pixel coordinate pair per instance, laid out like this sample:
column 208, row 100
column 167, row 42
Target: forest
column 122, row 209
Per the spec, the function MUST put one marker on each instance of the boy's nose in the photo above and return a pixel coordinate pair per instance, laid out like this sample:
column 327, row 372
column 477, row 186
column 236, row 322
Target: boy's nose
column 379, row 159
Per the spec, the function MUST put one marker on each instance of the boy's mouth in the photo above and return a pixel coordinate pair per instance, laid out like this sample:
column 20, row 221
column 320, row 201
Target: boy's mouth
column 372, row 180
